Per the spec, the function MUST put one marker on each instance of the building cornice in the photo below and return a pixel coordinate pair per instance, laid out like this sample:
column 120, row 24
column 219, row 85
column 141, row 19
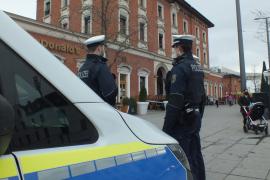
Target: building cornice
column 188, row 7
column 34, row 26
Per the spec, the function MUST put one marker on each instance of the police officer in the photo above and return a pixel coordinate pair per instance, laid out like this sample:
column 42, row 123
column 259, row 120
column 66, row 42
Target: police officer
column 95, row 72
column 184, row 109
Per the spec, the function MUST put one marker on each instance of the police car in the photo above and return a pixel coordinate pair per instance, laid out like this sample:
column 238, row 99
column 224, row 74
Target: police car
column 63, row 130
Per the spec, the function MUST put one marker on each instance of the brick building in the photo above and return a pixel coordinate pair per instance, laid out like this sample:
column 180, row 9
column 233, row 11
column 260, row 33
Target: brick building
column 232, row 84
column 139, row 37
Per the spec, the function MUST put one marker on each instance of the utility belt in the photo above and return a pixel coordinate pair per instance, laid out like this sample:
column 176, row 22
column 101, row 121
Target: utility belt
column 190, row 108
column 188, row 116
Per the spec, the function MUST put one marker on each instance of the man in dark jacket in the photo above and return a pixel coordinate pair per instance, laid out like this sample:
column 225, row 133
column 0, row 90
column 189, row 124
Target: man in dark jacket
column 95, row 72
column 185, row 106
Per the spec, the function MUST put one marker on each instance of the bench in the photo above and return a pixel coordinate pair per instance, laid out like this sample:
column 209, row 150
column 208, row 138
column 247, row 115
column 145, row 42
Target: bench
column 156, row 102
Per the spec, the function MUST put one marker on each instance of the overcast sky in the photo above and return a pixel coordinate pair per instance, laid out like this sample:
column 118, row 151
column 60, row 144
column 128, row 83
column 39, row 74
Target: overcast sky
column 223, row 37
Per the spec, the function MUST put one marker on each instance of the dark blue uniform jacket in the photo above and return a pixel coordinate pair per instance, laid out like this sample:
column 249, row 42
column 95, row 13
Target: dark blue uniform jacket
column 187, row 81
column 96, row 74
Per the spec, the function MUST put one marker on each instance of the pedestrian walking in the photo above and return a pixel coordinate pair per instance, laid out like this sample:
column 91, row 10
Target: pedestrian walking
column 217, row 103
column 230, row 99
column 244, row 102
column 186, row 103
column 95, row 72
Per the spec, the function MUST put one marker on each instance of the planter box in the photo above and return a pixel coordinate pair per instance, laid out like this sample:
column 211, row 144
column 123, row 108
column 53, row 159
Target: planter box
column 124, row 109
column 142, row 107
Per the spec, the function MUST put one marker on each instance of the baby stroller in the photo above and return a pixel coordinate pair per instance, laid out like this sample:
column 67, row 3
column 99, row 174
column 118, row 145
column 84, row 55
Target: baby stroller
column 254, row 118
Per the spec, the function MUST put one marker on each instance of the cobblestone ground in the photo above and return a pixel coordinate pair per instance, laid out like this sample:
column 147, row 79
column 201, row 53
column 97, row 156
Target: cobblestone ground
column 229, row 153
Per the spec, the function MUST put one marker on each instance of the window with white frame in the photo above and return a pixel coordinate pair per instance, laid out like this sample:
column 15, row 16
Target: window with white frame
column 185, row 26
column 47, row 7
column 142, row 31
column 86, row 22
column 123, row 22
column 198, row 52
column 211, row 89
column 161, row 40
column 197, row 32
column 216, row 91
column 160, row 11
column 221, row 90
column 123, row 25
column 142, row 4
column 205, row 60
column 204, row 37
column 174, row 19
column 206, row 86
column 64, row 3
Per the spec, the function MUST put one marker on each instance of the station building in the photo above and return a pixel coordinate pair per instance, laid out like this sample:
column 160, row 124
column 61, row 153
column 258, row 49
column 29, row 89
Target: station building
column 139, row 37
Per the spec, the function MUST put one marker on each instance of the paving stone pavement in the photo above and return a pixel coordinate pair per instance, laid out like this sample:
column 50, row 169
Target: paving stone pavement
column 229, row 153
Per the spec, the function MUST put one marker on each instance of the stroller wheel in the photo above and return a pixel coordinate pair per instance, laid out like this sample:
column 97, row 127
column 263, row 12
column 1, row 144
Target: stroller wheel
column 245, row 129
column 266, row 131
column 256, row 132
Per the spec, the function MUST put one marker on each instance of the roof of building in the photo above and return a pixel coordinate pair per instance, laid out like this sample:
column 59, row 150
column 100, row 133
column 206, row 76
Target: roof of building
column 193, row 10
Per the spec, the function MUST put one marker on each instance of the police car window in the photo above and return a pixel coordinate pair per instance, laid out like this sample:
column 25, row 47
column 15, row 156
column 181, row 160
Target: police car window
column 44, row 117
column 39, row 111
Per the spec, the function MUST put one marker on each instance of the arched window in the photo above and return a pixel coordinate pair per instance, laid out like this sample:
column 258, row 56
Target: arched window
column 86, row 22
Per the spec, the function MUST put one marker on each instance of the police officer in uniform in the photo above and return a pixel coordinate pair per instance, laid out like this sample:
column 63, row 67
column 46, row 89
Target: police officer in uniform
column 185, row 107
column 95, row 72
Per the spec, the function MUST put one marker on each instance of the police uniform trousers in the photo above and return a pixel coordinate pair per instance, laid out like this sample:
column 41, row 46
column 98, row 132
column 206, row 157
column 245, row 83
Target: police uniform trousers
column 189, row 139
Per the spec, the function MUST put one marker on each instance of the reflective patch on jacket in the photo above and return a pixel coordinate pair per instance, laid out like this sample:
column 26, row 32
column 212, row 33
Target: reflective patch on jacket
column 83, row 74
column 173, row 78
column 196, row 68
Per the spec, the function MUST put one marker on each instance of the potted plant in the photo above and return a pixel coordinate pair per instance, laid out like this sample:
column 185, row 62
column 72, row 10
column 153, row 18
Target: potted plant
column 125, row 104
column 142, row 105
column 132, row 106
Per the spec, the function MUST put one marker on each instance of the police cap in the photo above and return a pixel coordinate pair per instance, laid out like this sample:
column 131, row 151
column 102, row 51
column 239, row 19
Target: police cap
column 95, row 40
column 182, row 39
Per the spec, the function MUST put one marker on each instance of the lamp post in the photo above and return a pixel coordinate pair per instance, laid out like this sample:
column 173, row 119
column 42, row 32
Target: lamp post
column 267, row 36
column 241, row 47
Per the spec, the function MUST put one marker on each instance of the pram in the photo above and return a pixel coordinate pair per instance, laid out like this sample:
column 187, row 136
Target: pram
column 254, row 118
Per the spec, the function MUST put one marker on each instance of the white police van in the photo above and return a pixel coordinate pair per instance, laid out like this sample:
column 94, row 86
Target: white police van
column 63, row 130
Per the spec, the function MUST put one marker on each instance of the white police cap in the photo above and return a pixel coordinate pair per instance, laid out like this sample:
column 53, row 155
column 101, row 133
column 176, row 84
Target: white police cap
column 182, row 39
column 94, row 41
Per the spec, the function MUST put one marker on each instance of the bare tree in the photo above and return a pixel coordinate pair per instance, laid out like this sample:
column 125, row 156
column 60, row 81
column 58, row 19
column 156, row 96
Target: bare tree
column 261, row 34
column 107, row 16
column 255, row 79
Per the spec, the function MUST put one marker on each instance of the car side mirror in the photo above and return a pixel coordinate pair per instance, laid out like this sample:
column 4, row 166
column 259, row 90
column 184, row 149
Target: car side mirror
column 7, row 123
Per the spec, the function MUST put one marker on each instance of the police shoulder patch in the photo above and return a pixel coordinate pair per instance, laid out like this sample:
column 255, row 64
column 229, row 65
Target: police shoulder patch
column 173, row 78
